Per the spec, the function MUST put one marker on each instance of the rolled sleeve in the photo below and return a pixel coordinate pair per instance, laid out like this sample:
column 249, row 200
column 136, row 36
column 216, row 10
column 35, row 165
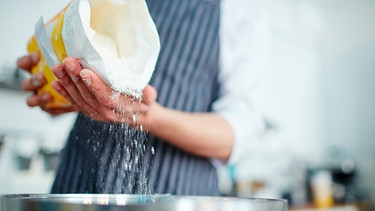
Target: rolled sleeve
column 243, row 61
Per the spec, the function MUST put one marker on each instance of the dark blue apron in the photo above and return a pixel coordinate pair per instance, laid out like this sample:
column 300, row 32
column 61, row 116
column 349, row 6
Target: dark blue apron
column 112, row 158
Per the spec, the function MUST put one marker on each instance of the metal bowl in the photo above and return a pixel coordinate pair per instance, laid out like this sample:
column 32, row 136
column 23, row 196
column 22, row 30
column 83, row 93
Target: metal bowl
column 121, row 202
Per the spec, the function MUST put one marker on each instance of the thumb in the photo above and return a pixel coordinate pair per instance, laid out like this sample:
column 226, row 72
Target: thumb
column 149, row 94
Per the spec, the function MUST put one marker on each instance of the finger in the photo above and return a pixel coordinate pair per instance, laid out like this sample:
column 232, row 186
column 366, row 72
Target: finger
column 28, row 61
column 40, row 100
column 73, row 67
column 33, row 100
column 88, row 96
column 149, row 94
column 46, row 98
column 35, row 82
column 66, row 81
column 103, row 93
column 59, row 111
column 56, row 85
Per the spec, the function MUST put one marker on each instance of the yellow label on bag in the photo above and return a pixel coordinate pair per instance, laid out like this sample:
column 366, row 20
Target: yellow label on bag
column 57, row 40
column 57, row 43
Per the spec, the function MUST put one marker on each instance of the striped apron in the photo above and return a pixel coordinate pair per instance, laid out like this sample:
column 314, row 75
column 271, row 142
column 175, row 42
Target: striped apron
column 113, row 158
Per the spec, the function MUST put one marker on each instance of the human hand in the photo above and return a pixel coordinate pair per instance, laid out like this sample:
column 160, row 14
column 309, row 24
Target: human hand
column 96, row 99
column 34, row 83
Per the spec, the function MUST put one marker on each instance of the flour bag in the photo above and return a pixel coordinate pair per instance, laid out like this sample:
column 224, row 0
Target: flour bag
column 115, row 38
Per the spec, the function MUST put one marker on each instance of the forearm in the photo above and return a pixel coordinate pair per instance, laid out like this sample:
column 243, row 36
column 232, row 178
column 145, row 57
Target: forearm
column 204, row 134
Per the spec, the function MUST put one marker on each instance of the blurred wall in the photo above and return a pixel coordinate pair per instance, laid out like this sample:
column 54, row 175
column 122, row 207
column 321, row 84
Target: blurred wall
column 317, row 93
column 17, row 21
column 27, row 130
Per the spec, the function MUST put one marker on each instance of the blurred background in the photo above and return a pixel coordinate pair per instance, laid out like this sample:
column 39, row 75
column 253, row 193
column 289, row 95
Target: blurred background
column 316, row 94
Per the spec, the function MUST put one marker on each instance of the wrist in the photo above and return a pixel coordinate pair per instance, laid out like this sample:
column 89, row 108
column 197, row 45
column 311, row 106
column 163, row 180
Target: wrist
column 153, row 118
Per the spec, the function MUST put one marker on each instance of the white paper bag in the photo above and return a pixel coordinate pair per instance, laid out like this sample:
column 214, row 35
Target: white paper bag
column 115, row 38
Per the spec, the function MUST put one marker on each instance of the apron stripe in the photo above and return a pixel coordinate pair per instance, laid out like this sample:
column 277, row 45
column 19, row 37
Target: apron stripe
column 172, row 177
column 70, row 172
column 181, row 178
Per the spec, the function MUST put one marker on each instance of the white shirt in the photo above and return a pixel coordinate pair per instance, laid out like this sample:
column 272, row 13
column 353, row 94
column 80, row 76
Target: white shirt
column 242, row 64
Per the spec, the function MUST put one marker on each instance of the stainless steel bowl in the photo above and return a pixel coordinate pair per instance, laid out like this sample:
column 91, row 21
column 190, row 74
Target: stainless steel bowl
column 121, row 202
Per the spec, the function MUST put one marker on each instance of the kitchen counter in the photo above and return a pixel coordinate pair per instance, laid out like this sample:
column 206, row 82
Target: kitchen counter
column 363, row 206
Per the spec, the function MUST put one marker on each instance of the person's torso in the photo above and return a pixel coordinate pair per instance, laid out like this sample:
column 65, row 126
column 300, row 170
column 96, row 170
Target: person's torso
column 112, row 158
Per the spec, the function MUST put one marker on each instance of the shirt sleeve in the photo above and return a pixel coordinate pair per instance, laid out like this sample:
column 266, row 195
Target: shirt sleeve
column 243, row 61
